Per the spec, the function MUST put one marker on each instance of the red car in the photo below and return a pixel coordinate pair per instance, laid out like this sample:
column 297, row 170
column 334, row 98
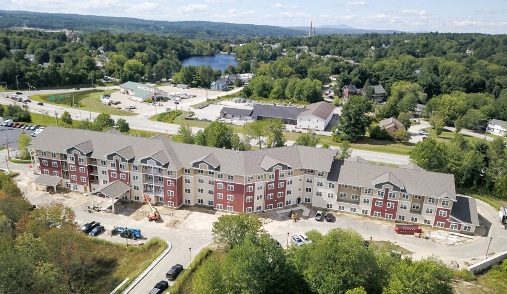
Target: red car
column 15, row 125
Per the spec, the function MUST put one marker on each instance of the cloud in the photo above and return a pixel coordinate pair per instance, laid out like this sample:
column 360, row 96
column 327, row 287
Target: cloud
column 414, row 12
column 193, row 8
column 356, row 3
column 144, row 7
column 220, row 1
column 282, row 6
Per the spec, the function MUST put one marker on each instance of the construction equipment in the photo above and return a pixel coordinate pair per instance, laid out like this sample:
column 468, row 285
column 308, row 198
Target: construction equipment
column 154, row 214
column 125, row 232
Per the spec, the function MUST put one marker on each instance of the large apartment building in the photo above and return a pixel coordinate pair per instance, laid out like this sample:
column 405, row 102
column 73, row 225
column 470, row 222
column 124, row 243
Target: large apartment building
column 176, row 174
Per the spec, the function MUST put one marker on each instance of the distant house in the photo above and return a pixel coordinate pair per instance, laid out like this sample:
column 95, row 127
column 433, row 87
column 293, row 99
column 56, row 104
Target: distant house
column 236, row 113
column 496, row 127
column 316, row 117
column 379, row 93
column 220, row 84
column 350, row 90
column 226, row 81
column 391, row 125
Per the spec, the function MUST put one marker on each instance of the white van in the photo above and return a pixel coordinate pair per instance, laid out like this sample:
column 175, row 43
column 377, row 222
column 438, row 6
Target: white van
column 8, row 123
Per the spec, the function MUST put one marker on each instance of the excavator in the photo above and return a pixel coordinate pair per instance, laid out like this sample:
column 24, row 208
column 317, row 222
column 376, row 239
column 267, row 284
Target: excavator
column 154, row 214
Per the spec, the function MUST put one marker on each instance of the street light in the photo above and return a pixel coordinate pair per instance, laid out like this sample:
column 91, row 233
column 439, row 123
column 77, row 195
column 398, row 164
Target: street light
column 29, row 88
column 17, row 85
column 487, row 251
column 190, row 260
column 287, row 240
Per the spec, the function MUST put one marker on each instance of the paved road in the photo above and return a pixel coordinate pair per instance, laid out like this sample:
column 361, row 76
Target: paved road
column 414, row 131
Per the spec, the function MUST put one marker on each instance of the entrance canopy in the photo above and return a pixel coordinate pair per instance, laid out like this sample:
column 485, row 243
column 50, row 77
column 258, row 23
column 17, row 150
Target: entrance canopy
column 113, row 190
column 48, row 181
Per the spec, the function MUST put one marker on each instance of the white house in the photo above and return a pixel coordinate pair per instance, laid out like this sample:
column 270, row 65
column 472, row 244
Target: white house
column 496, row 127
column 316, row 117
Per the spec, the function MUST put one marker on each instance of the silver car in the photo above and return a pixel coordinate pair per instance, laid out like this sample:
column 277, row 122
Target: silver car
column 296, row 239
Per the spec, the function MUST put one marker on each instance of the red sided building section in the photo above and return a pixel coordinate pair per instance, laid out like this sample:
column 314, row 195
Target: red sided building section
column 275, row 190
column 442, row 215
column 236, row 190
column 79, row 176
column 388, row 206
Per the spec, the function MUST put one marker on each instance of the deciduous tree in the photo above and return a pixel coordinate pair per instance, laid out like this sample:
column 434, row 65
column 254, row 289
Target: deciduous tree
column 355, row 119
column 231, row 230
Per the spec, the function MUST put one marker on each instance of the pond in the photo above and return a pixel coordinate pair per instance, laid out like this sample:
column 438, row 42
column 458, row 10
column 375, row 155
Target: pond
column 218, row 61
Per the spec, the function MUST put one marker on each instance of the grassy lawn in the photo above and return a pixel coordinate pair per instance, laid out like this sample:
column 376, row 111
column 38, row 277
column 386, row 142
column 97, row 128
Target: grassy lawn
column 87, row 100
column 448, row 135
column 494, row 202
column 372, row 145
column 494, row 280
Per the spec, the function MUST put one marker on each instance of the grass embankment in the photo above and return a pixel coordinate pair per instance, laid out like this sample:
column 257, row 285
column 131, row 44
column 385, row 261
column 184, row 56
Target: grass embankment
column 88, row 100
column 184, row 282
column 122, row 262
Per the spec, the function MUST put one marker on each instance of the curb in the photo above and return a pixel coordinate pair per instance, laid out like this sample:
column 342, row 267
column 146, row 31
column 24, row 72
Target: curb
column 147, row 270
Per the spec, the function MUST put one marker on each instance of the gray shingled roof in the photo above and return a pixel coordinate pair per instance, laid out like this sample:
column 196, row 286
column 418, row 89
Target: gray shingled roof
column 497, row 122
column 465, row 210
column 320, row 109
column 127, row 153
column 48, row 180
column 388, row 122
column 85, row 147
column 113, row 190
column 268, row 162
column 209, row 159
column 236, row 111
column 417, row 182
column 388, row 177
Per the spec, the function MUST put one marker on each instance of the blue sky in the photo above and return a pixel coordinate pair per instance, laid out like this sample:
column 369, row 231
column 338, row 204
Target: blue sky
column 486, row 16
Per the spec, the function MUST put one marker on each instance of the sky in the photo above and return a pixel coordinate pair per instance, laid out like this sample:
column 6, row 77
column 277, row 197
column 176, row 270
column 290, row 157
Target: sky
column 460, row 16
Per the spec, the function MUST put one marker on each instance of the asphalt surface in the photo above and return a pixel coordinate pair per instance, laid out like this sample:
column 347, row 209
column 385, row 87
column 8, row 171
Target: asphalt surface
column 10, row 136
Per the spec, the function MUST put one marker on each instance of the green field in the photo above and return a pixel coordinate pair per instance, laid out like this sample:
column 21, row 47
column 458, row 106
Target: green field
column 88, row 100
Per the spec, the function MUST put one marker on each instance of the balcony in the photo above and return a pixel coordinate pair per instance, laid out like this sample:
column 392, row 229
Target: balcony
column 94, row 172
column 92, row 161
column 152, row 171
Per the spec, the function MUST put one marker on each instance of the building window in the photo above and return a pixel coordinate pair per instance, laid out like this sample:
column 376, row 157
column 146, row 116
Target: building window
column 367, row 191
column 352, row 209
column 270, row 196
column 187, row 191
column 391, row 195
column 230, row 178
column 390, row 205
column 43, row 153
column 83, row 179
column 454, row 227
column 103, row 162
column 289, row 182
column 329, row 205
column 200, row 190
column 170, row 183
column 378, row 203
column 431, row 200
column 467, row 228
column 200, row 201
column 220, row 176
column 258, row 208
column 170, row 193
column 343, row 186
column 230, row 197
column 230, row 187
column 112, row 164
column 211, row 173
column 249, row 199
column 260, row 177
column 271, row 186
column 401, row 217
column 81, row 169
column 445, row 202
column 259, row 197
column 248, row 209
column 249, row 179
column 320, row 173
column 136, row 187
column 259, row 187
column 404, row 196
column 72, row 167
column 210, row 202
column 72, row 177
column 55, row 164
column 287, row 202
column 186, row 171
column 289, row 192
column 331, row 185
column 200, row 180
column 417, row 197
column 281, row 184
column 270, row 206
column 220, row 186
column 440, row 224
column 187, row 181
column 318, row 193
column 309, row 171
column 429, row 210
column 55, row 173
column 104, row 172
column 355, row 188
column 413, row 219
column 220, row 207
column 355, row 197
column 309, row 180
column 123, row 176
column 220, row 196
column 377, row 214
column 200, row 171
column 308, row 200
column 282, row 175
column 389, row 216
column 249, row 188
column 442, row 213
column 170, row 203
column 380, row 193
column 403, row 206
column 365, row 211
column 280, row 194
column 169, row 172
column 211, row 182
column 45, row 163
column 290, row 173
column 122, row 166
column 211, row 192
column 427, row 222
column 330, row 195
column 279, row 204
column 71, row 158
column 416, row 206
column 271, row 176
column 308, row 190
column 135, row 177
column 366, row 200
column 113, row 175
column 320, row 184
column 53, row 154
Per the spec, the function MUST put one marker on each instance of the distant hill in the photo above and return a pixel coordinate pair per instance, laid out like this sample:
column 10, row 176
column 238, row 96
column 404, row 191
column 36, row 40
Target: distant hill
column 186, row 29
column 341, row 29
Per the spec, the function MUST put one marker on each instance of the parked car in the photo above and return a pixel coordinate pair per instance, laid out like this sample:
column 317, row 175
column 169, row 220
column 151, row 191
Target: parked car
column 20, row 126
column 15, row 125
column 318, row 215
column 86, row 228
column 130, row 107
column 34, row 127
column 159, row 287
column 423, row 132
column 174, row 271
column 40, row 103
column 19, row 93
column 305, row 238
column 296, row 239
column 329, row 217
column 97, row 230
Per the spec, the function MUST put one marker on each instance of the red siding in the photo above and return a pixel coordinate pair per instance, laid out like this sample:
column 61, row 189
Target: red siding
column 275, row 190
column 49, row 167
column 118, row 173
column 179, row 192
column 238, row 202
column 383, row 209
column 444, row 219
column 77, row 173
column 173, row 188
column 251, row 194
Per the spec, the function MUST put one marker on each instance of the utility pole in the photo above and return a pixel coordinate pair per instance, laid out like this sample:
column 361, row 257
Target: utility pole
column 190, row 260
column 7, row 162
column 7, row 143
column 17, row 85
column 56, row 117
column 487, row 251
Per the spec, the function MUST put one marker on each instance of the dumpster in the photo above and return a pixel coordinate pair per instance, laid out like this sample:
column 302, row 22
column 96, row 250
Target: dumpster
column 407, row 229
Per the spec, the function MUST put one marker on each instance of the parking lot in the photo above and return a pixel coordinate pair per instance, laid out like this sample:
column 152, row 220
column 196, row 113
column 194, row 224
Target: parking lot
column 10, row 135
